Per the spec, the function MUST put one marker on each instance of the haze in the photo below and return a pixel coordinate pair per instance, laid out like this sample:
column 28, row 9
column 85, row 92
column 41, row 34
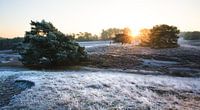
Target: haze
column 72, row 16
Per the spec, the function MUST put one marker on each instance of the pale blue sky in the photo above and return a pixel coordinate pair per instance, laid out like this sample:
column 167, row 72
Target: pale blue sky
column 94, row 15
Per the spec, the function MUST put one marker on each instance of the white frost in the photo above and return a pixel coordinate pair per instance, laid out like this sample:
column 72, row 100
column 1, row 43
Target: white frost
column 96, row 90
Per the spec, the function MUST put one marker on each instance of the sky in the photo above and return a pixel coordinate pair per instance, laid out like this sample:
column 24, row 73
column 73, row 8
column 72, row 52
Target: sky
column 73, row 16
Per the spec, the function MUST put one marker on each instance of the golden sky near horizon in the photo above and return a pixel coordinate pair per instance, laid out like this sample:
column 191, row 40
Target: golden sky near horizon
column 72, row 16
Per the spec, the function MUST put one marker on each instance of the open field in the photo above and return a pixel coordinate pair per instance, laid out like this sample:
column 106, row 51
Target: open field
column 182, row 61
column 117, row 77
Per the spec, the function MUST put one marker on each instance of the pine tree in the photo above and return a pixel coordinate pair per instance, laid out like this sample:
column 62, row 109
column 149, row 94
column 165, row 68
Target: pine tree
column 164, row 36
column 45, row 46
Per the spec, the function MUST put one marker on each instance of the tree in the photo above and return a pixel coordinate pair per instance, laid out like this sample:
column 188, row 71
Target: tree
column 127, row 31
column 110, row 33
column 124, row 37
column 86, row 36
column 144, row 37
column 164, row 36
column 45, row 46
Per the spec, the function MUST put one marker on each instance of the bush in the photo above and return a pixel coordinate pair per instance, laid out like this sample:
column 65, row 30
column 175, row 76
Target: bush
column 122, row 38
column 45, row 46
column 164, row 36
column 192, row 35
column 6, row 43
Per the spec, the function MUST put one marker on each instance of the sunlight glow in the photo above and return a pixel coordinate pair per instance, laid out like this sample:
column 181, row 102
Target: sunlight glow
column 73, row 16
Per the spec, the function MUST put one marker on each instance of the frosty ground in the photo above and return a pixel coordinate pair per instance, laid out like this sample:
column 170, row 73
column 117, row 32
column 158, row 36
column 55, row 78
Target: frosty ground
column 103, row 90
column 129, row 83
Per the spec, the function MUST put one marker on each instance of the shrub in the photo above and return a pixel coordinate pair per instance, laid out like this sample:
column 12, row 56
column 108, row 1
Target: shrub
column 122, row 38
column 6, row 43
column 45, row 46
column 192, row 35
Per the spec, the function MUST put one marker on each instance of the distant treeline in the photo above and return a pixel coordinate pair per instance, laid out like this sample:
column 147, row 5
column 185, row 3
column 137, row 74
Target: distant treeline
column 84, row 36
column 6, row 43
column 106, row 34
column 11, row 43
column 191, row 35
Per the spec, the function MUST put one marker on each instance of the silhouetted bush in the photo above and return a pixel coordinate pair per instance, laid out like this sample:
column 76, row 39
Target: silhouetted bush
column 122, row 38
column 6, row 44
column 192, row 35
column 45, row 46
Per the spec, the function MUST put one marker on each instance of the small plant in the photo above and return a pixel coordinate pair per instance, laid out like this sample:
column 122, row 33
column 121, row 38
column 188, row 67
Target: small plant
column 45, row 46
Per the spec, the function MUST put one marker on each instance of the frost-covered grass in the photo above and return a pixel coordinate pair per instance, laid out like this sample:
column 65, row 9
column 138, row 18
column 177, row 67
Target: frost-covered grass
column 108, row 89
column 104, row 90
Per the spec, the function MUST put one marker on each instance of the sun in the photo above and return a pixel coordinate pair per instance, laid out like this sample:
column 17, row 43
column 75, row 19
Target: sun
column 135, row 31
column 134, row 34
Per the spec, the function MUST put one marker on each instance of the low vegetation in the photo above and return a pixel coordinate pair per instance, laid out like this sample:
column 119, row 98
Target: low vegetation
column 192, row 35
column 45, row 46
column 7, row 44
column 122, row 38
